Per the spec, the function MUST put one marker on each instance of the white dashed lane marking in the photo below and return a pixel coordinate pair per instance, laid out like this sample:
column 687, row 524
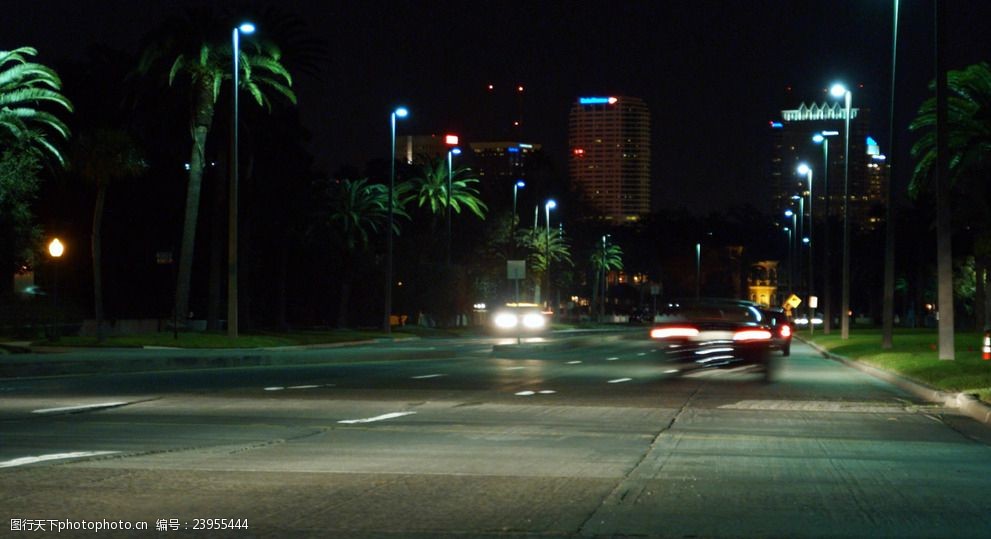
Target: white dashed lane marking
column 54, row 456
column 620, row 380
column 426, row 376
column 382, row 417
column 80, row 408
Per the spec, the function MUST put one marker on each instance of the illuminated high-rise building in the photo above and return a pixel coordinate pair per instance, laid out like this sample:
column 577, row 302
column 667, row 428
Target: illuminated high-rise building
column 791, row 143
column 609, row 161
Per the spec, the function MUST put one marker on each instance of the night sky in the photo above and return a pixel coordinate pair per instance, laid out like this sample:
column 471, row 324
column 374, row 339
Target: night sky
column 712, row 72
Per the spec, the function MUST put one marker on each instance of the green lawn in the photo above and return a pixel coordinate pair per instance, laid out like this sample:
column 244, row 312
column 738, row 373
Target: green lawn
column 914, row 356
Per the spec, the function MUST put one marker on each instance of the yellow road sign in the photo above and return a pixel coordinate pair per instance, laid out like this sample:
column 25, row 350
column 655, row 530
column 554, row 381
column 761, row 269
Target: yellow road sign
column 793, row 301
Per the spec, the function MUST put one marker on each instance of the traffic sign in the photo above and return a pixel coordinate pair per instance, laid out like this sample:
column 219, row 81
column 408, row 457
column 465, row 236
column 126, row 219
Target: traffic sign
column 793, row 301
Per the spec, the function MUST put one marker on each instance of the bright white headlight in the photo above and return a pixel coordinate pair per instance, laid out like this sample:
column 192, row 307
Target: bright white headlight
column 506, row 320
column 533, row 321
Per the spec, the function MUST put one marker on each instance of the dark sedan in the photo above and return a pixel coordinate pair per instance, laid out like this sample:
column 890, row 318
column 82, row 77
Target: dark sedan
column 715, row 334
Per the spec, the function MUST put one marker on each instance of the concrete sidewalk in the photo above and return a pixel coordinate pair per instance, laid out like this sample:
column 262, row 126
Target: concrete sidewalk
column 968, row 404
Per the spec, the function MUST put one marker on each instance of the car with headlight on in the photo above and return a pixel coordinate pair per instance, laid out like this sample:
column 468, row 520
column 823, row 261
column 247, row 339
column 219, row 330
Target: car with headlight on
column 703, row 334
column 515, row 318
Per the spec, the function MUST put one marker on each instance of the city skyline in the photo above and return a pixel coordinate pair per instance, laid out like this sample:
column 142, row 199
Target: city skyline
column 693, row 64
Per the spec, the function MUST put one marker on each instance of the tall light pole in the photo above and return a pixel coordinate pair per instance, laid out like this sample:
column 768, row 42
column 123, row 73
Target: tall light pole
column 827, row 323
column 56, row 250
column 520, row 184
column 450, row 175
column 698, row 268
column 838, row 90
column 799, row 235
column 807, row 171
column 602, row 302
column 232, row 202
column 790, row 275
column 793, row 231
column 400, row 112
column 550, row 205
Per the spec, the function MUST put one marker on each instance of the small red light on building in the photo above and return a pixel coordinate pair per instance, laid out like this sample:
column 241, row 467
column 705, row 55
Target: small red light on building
column 580, row 152
column 491, row 87
column 519, row 88
column 451, row 140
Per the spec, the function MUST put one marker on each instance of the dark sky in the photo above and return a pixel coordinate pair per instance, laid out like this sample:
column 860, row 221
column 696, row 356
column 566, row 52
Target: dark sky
column 712, row 72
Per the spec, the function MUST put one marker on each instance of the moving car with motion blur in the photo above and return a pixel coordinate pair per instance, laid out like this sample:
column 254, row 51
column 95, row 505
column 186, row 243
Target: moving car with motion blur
column 701, row 334
column 515, row 318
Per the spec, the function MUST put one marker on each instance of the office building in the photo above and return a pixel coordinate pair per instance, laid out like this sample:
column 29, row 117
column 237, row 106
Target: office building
column 609, row 161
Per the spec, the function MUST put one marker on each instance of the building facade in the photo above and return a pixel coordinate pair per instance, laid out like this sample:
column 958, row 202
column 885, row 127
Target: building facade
column 792, row 143
column 609, row 161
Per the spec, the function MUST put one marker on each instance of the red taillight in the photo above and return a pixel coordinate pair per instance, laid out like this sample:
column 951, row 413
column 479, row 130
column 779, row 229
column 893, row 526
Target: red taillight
column 669, row 332
column 785, row 331
column 752, row 335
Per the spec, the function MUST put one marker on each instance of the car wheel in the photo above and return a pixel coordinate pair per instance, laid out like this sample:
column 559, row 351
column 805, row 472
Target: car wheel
column 786, row 351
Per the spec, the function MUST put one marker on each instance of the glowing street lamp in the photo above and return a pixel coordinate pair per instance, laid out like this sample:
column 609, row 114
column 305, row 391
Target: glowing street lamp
column 55, row 249
column 400, row 112
column 838, row 90
column 232, row 198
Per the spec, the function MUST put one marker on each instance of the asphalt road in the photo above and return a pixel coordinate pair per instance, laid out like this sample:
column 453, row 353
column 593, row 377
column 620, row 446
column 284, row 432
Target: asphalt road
column 592, row 441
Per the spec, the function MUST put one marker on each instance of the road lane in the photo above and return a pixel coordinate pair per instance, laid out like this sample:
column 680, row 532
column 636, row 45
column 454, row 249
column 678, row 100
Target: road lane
column 511, row 444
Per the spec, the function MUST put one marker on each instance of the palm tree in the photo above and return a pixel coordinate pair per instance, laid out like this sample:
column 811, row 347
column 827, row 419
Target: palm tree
column 24, row 87
column 608, row 258
column 968, row 122
column 197, row 52
column 544, row 246
column 358, row 209
column 102, row 157
column 429, row 189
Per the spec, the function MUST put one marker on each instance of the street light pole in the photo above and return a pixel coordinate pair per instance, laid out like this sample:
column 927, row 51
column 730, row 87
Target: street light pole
column 791, row 249
column 550, row 205
column 838, row 90
column 827, row 323
column 512, row 227
column 387, row 322
column 232, row 197
column 698, row 268
column 450, row 173
column 807, row 170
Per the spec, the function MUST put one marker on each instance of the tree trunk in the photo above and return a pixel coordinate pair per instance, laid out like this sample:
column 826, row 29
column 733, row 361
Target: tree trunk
column 201, row 127
column 979, row 303
column 944, row 251
column 95, row 252
column 281, row 282
column 345, row 299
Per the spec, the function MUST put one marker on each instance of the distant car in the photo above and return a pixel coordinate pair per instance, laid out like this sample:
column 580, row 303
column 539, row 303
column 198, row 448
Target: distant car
column 803, row 319
column 522, row 317
column 699, row 334
column 781, row 328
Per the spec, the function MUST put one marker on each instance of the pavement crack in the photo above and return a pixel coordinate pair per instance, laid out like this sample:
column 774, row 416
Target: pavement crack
column 631, row 485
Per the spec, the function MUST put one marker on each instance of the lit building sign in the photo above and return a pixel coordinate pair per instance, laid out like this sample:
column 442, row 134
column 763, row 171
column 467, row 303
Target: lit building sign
column 597, row 100
column 451, row 140
column 816, row 111
column 513, row 149
column 776, row 125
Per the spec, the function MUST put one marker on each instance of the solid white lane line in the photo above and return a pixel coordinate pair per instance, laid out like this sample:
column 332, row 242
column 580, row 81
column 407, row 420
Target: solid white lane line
column 274, row 388
column 426, row 376
column 79, row 408
column 382, row 417
column 620, row 380
column 54, row 456
column 304, row 387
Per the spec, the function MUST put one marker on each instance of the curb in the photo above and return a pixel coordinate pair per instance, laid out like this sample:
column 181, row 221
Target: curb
column 966, row 403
